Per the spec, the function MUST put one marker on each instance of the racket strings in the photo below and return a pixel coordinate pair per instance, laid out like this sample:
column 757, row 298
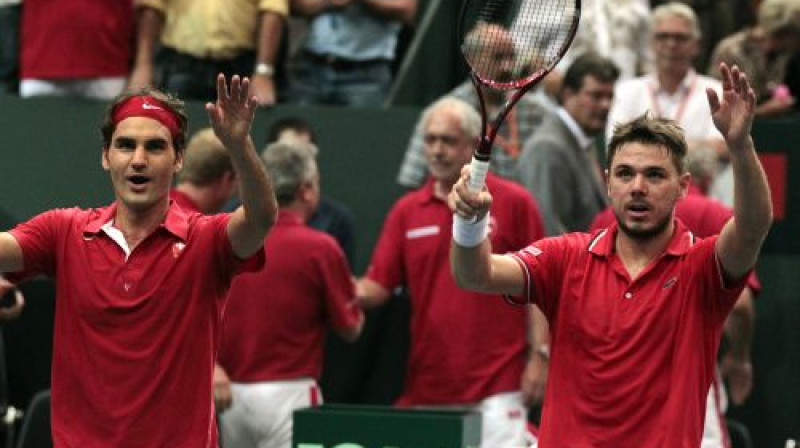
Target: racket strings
column 505, row 42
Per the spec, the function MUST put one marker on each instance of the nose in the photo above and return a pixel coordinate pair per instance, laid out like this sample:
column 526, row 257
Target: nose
column 639, row 185
column 139, row 158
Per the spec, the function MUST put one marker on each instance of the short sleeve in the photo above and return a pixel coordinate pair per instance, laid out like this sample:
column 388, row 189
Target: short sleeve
column 542, row 265
column 39, row 239
column 718, row 295
column 277, row 6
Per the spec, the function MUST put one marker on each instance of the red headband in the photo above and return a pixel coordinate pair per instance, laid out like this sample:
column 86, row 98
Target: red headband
column 147, row 106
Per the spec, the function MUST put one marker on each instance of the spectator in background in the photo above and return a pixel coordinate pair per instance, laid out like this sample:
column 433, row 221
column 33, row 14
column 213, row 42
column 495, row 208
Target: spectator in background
column 275, row 321
column 76, row 48
column 613, row 29
column 329, row 216
column 9, row 45
column 718, row 19
column 518, row 126
column 763, row 51
column 207, row 181
column 198, row 39
column 349, row 49
column 706, row 217
column 466, row 348
column 673, row 89
column 558, row 164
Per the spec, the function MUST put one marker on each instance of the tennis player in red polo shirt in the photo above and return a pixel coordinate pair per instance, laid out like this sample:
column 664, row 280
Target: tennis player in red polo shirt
column 635, row 310
column 465, row 350
column 140, row 283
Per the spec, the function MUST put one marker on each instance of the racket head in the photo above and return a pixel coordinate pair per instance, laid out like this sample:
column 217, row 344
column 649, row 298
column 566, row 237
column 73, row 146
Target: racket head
column 509, row 44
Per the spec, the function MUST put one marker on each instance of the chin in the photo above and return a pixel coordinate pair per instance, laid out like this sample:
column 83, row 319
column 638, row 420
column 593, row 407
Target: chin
column 641, row 231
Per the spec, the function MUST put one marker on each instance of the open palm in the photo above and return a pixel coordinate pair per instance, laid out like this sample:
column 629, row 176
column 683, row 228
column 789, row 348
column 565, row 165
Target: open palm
column 232, row 114
column 733, row 113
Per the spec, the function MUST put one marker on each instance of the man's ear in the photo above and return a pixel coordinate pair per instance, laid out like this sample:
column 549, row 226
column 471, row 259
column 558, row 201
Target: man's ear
column 685, row 180
column 104, row 158
column 179, row 160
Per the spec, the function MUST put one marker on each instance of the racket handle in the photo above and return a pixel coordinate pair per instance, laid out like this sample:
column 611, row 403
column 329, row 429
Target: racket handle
column 477, row 175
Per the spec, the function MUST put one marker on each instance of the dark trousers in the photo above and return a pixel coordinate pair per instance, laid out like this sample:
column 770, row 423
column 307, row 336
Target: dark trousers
column 194, row 78
column 9, row 48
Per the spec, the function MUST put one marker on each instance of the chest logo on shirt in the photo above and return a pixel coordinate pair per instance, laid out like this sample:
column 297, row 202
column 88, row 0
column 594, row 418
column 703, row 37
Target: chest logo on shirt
column 533, row 250
column 421, row 232
column 670, row 283
column 177, row 249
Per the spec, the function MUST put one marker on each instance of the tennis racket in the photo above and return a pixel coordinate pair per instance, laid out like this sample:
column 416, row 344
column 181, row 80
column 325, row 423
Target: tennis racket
column 511, row 45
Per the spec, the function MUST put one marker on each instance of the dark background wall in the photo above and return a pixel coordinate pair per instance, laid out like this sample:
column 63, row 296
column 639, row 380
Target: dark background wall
column 50, row 157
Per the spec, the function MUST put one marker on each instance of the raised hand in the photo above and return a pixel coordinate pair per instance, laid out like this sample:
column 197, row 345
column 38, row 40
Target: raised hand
column 232, row 114
column 13, row 311
column 733, row 113
column 468, row 204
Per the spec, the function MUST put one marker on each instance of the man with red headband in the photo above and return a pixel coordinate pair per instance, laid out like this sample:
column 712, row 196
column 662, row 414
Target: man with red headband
column 141, row 284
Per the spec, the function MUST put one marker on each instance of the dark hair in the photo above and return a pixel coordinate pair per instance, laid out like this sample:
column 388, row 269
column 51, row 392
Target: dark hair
column 589, row 64
column 651, row 131
column 294, row 123
column 175, row 106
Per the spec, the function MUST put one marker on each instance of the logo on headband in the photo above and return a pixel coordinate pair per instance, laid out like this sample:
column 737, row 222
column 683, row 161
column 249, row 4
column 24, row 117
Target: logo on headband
column 149, row 107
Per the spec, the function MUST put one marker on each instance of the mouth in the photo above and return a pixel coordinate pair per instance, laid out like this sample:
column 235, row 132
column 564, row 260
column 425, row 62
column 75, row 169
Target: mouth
column 637, row 210
column 138, row 182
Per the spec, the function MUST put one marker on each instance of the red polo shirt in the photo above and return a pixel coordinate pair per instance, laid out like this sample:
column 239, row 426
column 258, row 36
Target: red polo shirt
column 275, row 320
column 184, row 201
column 632, row 359
column 702, row 215
column 78, row 39
column 135, row 339
column 465, row 346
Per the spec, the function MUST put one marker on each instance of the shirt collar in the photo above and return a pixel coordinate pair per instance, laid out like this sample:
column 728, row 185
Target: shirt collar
column 583, row 140
column 602, row 241
column 288, row 217
column 176, row 222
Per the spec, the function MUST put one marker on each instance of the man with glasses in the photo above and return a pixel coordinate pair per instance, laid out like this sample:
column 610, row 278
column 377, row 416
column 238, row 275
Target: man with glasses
column 674, row 90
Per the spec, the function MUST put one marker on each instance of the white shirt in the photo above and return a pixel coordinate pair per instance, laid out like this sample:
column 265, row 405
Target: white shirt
column 688, row 105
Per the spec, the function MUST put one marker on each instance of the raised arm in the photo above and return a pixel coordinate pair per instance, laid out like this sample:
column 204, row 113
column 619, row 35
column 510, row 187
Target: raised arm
column 150, row 21
column 232, row 117
column 472, row 263
column 270, row 33
column 741, row 238
column 10, row 254
column 402, row 10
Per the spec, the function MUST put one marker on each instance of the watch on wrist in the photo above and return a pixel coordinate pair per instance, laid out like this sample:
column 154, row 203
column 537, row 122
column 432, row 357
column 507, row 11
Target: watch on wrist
column 264, row 69
column 543, row 350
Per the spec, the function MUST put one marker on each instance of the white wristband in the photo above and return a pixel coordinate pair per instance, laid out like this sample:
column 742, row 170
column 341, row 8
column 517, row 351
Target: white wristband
column 470, row 233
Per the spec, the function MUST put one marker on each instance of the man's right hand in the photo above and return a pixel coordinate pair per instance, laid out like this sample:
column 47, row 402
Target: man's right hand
column 13, row 311
column 223, row 397
column 466, row 203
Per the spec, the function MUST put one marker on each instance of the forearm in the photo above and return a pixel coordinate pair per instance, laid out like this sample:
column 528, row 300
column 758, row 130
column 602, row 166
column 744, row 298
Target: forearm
column 149, row 26
column 402, row 10
column 471, row 266
column 739, row 327
column 309, row 8
column 370, row 294
column 255, row 188
column 752, row 205
column 270, row 33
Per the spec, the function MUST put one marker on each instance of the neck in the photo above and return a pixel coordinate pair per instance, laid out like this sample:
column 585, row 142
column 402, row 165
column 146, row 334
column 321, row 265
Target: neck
column 299, row 209
column 136, row 225
column 203, row 197
column 441, row 189
column 670, row 78
column 636, row 253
